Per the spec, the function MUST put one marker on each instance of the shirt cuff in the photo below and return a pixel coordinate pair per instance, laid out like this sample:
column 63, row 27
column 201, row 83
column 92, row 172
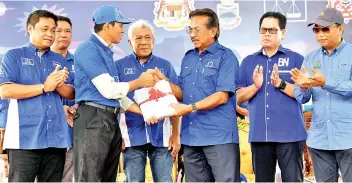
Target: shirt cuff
column 125, row 103
column 329, row 85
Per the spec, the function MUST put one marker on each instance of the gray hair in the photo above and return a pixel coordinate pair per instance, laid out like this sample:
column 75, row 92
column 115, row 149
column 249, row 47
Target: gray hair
column 139, row 24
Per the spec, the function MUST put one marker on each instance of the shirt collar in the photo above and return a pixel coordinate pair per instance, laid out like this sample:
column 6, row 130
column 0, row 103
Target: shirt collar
column 35, row 51
column 102, row 40
column 69, row 57
column 135, row 57
column 281, row 49
column 211, row 49
column 336, row 50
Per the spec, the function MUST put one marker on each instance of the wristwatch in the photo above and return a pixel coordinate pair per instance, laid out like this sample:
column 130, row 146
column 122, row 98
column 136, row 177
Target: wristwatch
column 194, row 108
column 282, row 85
column 43, row 88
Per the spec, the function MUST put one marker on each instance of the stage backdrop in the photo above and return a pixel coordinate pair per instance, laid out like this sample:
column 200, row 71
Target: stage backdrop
column 239, row 22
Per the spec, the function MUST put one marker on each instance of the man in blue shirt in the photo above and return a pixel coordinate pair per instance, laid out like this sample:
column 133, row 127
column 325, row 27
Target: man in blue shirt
column 328, row 83
column 209, row 129
column 37, row 134
column 96, row 135
column 277, row 131
column 140, row 138
column 63, row 37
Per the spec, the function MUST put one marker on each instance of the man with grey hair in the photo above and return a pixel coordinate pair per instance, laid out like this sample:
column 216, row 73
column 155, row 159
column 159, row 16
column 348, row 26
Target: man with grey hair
column 325, row 77
column 159, row 141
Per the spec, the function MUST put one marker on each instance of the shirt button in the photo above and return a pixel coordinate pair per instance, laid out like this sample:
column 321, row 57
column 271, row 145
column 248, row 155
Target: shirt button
column 267, row 94
column 47, row 94
column 44, row 69
column 269, row 59
column 49, row 120
column 191, row 96
column 267, row 105
column 191, row 122
column 329, row 69
column 327, row 93
column 268, row 82
column 193, row 82
column 328, row 120
column 327, row 106
column 49, row 106
column 267, row 118
column 196, row 70
column 200, row 58
column 269, row 71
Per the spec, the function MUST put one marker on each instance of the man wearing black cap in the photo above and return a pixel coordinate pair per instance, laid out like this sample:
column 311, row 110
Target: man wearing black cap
column 97, row 137
column 326, row 78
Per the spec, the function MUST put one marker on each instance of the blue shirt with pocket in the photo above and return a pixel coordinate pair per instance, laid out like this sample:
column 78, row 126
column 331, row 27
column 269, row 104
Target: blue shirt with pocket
column 273, row 115
column 202, row 75
column 93, row 58
column 38, row 122
column 331, row 127
column 134, row 129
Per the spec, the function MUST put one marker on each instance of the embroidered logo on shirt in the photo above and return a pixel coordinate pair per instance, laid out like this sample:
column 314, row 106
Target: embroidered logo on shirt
column 317, row 65
column 27, row 61
column 283, row 62
column 209, row 64
column 129, row 71
column 55, row 64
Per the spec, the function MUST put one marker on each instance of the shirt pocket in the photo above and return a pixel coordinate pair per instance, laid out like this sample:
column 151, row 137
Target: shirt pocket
column 207, row 79
column 184, row 75
column 344, row 72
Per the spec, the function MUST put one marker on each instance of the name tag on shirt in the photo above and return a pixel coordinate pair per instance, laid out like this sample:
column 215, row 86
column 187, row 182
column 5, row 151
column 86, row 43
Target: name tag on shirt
column 27, row 61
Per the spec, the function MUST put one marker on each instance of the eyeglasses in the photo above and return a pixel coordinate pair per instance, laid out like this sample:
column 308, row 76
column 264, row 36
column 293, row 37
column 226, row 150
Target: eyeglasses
column 270, row 30
column 194, row 30
column 325, row 30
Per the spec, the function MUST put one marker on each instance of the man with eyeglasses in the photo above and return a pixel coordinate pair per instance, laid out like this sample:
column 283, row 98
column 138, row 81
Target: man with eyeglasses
column 209, row 129
column 325, row 77
column 277, row 132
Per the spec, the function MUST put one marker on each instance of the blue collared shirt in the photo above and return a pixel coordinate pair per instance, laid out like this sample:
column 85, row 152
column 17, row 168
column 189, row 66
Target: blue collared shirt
column 331, row 127
column 273, row 116
column 93, row 58
column 70, row 63
column 134, row 129
column 37, row 122
column 202, row 75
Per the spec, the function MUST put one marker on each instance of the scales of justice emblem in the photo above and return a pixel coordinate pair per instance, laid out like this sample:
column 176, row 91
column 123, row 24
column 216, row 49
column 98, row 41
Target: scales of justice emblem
column 172, row 15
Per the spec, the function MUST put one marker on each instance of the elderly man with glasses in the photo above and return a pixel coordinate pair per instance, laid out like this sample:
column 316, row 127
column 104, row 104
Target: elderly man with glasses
column 325, row 77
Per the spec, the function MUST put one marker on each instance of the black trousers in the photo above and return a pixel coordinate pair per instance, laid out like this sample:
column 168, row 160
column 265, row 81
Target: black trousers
column 45, row 164
column 96, row 145
column 288, row 155
column 326, row 164
column 215, row 163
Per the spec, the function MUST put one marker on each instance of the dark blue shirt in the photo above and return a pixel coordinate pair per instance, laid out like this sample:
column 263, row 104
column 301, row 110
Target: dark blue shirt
column 202, row 75
column 134, row 130
column 37, row 122
column 93, row 58
column 273, row 115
